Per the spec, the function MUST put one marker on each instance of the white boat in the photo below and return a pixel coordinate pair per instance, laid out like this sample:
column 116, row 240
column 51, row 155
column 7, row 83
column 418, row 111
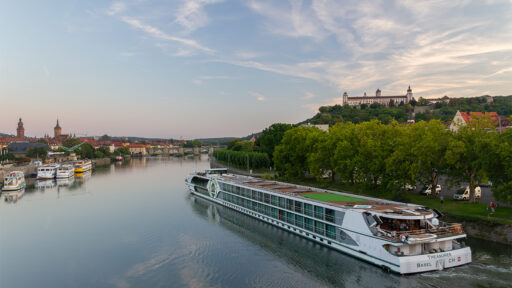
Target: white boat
column 14, row 181
column 82, row 166
column 119, row 159
column 48, row 171
column 65, row 171
column 399, row 237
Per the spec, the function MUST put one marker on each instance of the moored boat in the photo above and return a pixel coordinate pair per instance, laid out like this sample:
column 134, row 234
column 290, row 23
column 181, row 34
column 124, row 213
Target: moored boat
column 82, row 166
column 14, row 180
column 48, row 171
column 399, row 237
column 119, row 158
column 65, row 171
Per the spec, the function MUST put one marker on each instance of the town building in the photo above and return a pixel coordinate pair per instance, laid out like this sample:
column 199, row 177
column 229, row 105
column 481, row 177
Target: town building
column 378, row 98
column 22, row 148
column 323, row 127
column 466, row 118
column 444, row 99
column 20, row 131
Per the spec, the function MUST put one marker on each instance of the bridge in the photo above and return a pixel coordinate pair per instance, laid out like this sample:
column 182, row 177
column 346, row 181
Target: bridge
column 180, row 151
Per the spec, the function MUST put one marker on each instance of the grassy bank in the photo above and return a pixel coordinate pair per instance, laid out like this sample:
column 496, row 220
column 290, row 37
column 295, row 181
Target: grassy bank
column 459, row 210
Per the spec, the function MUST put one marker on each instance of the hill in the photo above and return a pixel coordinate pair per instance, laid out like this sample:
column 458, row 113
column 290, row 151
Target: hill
column 401, row 113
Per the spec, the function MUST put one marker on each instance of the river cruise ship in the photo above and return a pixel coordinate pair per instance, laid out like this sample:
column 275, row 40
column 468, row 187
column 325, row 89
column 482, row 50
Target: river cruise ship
column 65, row 171
column 399, row 237
column 82, row 166
column 48, row 171
column 14, row 180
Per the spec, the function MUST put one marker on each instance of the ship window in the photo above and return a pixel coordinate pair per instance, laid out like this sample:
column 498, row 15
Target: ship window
column 267, row 198
column 319, row 227
column 308, row 209
column 329, row 215
column 289, row 204
column 274, row 200
column 299, row 221
column 253, row 194
column 282, row 214
column 331, row 231
column 290, row 218
column 282, row 202
column 298, row 207
column 319, row 212
column 346, row 239
column 308, row 224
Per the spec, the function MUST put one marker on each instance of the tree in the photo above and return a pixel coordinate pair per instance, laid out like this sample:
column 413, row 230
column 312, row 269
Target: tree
column 38, row 152
column 500, row 167
column 345, row 135
column 320, row 161
column 422, row 102
column 70, row 142
column 291, row 156
column 420, row 155
column 469, row 151
column 271, row 137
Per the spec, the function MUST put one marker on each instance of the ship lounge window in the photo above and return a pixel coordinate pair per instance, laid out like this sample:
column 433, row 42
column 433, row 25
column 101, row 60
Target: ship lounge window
column 308, row 209
column 391, row 224
column 329, row 215
column 298, row 207
column 319, row 212
column 308, row 224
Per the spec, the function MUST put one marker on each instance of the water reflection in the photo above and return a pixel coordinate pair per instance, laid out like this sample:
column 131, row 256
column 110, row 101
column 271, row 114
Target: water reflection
column 12, row 196
column 64, row 182
column 45, row 184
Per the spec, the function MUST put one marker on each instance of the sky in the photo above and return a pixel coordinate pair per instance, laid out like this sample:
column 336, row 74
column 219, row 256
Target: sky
column 211, row 68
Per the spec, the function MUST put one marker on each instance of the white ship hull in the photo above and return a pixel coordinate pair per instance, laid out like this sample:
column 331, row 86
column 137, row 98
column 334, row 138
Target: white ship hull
column 365, row 246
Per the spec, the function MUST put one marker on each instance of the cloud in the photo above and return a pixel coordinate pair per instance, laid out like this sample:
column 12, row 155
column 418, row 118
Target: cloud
column 308, row 95
column 159, row 34
column 258, row 96
column 192, row 15
column 116, row 8
column 293, row 20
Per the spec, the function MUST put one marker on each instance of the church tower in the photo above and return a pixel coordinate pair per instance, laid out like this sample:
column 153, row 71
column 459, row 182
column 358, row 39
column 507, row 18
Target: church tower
column 20, row 131
column 409, row 94
column 57, row 131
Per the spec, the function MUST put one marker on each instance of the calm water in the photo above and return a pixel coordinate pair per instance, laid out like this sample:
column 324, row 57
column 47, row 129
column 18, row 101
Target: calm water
column 135, row 225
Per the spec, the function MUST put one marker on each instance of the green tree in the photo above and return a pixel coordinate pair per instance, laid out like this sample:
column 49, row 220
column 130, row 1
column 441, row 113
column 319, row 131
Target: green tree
column 271, row 137
column 469, row 151
column 38, row 152
column 421, row 154
column 291, row 156
column 500, row 167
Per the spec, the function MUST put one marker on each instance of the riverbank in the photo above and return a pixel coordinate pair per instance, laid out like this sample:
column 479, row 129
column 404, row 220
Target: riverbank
column 476, row 218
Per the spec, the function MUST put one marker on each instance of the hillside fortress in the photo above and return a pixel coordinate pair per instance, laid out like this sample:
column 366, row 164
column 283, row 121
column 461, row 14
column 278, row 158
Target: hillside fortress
column 378, row 98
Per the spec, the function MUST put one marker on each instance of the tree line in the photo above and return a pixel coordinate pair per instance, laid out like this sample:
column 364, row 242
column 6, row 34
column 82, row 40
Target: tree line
column 243, row 159
column 394, row 155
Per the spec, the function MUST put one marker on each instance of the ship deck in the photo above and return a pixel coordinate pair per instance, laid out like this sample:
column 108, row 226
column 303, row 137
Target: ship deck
column 337, row 199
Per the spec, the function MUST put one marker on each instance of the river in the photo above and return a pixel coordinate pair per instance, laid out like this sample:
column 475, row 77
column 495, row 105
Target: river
column 136, row 225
